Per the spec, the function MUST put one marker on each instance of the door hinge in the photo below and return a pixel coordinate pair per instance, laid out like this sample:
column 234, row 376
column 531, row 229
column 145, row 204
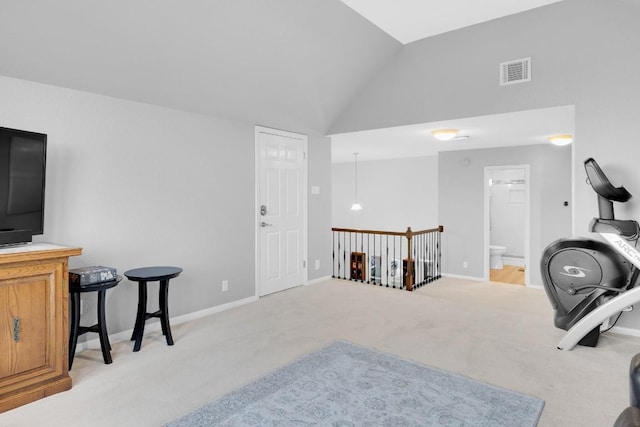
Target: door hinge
column 304, row 264
column 304, row 155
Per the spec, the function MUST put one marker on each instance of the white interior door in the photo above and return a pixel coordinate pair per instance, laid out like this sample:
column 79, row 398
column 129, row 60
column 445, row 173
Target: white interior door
column 281, row 211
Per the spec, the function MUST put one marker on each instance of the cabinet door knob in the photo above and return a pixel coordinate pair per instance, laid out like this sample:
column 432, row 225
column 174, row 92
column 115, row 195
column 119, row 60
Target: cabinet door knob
column 16, row 329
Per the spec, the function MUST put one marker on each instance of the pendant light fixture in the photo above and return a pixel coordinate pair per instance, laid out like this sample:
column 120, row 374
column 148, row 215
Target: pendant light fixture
column 356, row 206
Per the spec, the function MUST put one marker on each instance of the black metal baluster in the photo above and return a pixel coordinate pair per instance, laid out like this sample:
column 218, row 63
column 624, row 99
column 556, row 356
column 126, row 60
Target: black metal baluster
column 400, row 263
column 333, row 254
column 387, row 263
column 338, row 256
column 438, row 272
column 434, row 255
column 420, row 262
column 372, row 263
column 369, row 260
column 427, row 258
column 364, row 258
column 417, row 272
column 350, row 251
column 424, row 258
column 394, row 263
column 431, row 258
column 344, row 265
column 379, row 269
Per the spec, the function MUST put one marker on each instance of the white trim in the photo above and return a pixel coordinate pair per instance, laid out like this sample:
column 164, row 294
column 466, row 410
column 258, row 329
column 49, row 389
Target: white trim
column 155, row 326
column 319, row 280
column 527, row 219
column 625, row 331
column 459, row 276
column 305, row 197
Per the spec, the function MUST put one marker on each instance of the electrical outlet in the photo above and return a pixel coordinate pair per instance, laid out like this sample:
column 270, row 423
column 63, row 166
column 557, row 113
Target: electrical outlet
column 225, row 285
column 317, row 265
column 465, row 264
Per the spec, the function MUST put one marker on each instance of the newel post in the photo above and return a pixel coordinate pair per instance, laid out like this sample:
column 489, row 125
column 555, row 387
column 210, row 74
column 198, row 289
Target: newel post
column 409, row 273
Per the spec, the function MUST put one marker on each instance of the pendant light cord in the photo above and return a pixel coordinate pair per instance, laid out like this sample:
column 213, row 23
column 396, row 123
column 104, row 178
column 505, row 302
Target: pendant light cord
column 356, row 175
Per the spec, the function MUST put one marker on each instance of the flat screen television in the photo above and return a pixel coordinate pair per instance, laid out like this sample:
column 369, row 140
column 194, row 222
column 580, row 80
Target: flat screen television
column 22, row 182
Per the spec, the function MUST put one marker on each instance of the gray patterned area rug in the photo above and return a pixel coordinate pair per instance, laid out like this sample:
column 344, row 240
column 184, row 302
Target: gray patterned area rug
column 347, row 385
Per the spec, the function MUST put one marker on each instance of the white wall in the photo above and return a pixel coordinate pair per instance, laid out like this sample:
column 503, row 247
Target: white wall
column 395, row 194
column 319, row 208
column 461, row 203
column 139, row 185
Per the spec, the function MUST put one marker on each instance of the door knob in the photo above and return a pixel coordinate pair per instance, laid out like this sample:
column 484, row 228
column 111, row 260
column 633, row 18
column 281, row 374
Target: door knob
column 264, row 224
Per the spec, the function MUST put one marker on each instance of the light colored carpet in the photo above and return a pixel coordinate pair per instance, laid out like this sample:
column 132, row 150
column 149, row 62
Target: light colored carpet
column 495, row 333
column 348, row 385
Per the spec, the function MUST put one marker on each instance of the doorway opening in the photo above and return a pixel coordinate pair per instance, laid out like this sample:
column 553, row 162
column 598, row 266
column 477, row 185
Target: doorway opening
column 507, row 216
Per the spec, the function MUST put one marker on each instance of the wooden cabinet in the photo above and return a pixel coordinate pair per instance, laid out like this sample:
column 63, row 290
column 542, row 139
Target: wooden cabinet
column 358, row 266
column 34, row 328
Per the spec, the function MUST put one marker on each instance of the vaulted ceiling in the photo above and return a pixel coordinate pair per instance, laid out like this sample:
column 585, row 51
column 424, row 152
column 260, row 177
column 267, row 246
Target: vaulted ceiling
column 283, row 63
column 411, row 20
column 294, row 64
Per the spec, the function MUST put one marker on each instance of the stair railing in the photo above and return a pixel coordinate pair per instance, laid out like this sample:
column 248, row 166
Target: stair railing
column 405, row 260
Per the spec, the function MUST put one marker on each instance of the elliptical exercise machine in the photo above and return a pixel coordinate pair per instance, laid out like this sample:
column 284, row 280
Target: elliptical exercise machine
column 589, row 281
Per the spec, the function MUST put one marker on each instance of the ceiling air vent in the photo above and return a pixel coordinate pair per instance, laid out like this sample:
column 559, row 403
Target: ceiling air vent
column 516, row 71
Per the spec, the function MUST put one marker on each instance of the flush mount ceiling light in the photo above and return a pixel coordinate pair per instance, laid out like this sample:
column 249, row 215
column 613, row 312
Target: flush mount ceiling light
column 444, row 134
column 561, row 139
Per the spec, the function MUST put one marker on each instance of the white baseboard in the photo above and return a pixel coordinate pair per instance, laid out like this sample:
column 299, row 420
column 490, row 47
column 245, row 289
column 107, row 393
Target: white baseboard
column 318, row 280
column 458, row 276
column 626, row 331
column 155, row 326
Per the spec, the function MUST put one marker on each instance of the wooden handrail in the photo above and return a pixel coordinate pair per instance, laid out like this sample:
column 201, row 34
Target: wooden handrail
column 390, row 233
column 431, row 230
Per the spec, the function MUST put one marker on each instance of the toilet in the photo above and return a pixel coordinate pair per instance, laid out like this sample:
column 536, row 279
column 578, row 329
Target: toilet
column 495, row 256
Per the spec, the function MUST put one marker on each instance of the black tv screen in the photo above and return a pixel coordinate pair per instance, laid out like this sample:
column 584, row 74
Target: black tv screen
column 22, row 182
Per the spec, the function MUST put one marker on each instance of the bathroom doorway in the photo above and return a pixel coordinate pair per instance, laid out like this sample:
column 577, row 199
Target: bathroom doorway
column 507, row 216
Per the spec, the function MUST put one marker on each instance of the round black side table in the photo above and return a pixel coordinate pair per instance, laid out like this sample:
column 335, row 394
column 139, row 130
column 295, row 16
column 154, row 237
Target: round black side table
column 152, row 274
column 100, row 328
